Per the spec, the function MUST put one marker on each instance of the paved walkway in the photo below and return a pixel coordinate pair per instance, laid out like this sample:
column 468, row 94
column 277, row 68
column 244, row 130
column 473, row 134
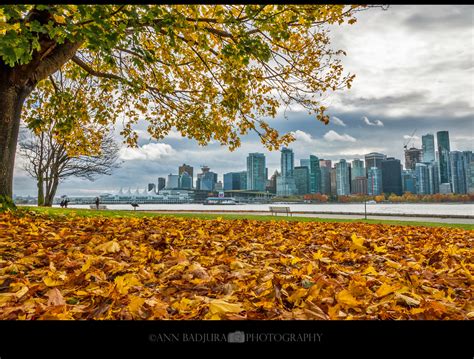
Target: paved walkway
column 340, row 216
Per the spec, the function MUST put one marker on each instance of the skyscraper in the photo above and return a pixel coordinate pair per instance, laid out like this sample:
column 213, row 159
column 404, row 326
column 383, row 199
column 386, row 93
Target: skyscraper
column 302, row 179
column 412, row 157
column 359, row 185
column 256, row 180
column 433, row 177
column 325, row 180
column 187, row 168
column 325, row 163
column 235, row 181
column 358, row 169
column 458, row 173
column 422, row 178
column 468, row 158
column 409, row 181
column 286, row 185
column 304, row 162
column 272, row 188
column 428, row 146
column 206, row 181
column 443, row 153
column 333, row 181
column 374, row 159
column 374, row 181
column 185, row 180
column 391, row 176
column 161, row 183
column 151, row 187
column 342, row 178
column 287, row 162
column 314, row 174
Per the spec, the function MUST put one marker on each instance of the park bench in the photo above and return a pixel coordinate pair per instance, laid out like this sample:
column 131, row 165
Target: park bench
column 277, row 210
column 101, row 206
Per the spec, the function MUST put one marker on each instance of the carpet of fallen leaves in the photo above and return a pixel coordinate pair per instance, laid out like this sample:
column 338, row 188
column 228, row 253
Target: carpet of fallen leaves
column 177, row 268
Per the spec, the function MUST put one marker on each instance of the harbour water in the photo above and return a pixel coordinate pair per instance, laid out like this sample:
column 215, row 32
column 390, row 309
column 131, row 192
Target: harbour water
column 444, row 209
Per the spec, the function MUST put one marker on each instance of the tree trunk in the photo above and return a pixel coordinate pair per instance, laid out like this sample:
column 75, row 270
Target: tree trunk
column 11, row 103
column 51, row 192
column 40, row 185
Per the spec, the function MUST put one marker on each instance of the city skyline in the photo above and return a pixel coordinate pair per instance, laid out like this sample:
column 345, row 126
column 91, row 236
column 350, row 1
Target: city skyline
column 426, row 67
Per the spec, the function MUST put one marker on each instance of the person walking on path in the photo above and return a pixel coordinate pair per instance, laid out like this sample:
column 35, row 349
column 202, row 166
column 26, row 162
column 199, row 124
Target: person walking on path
column 97, row 202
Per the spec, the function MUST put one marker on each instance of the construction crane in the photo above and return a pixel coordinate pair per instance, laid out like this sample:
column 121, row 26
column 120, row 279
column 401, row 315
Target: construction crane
column 405, row 145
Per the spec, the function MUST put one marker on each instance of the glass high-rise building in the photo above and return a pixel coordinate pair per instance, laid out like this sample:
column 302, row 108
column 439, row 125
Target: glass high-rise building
column 409, row 181
column 189, row 170
column 392, row 176
column 287, row 162
column 358, row 169
column 314, row 174
column 342, row 178
column 422, row 178
column 443, row 153
column 304, row 162
column 286, row 185
column 428, row 147
column 373, row 159
column 206, row 181
column 468, row 158
column 458, row 173
column 433, row 177
column 256, row 170
column 185, row 180
column 374, row 181
column 325, row 180
column 302, row 179
column 235, row 181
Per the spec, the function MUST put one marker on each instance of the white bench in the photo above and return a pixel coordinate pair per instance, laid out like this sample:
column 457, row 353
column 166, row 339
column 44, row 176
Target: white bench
column 101, row 206
column 281, row 210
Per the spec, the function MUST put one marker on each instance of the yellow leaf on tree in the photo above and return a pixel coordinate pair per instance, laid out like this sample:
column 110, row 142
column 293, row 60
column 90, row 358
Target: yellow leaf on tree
column 59, row 18
column 345, row 297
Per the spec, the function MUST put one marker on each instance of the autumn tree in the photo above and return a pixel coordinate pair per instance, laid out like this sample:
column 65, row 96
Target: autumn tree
column 211, row 71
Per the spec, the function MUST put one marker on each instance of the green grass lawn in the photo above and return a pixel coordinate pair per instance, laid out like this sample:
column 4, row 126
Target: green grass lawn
column 110, row 213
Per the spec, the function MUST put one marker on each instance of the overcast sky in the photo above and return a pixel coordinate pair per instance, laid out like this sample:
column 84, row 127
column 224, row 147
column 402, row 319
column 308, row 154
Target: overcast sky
column 414, row 69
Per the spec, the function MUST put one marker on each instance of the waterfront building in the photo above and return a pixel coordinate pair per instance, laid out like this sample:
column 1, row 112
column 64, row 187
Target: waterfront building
column 373, row 159
column 458, row 173
column 428, row 147
column 392, row 176
column 374, row 181
column 342, row 178
column 256, row 180
column 161, row 183
column 443, row 154
column 302, row 180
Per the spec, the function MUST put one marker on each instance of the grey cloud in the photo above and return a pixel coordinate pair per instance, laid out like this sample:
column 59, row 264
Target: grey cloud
column 451, row 17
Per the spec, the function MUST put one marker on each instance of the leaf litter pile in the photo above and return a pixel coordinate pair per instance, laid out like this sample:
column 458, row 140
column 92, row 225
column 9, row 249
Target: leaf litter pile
column 176, row 268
